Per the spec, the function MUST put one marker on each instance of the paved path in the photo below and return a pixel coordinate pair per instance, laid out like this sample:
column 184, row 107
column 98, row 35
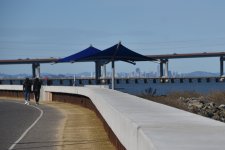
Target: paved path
column 16, row 118
column 63, row 126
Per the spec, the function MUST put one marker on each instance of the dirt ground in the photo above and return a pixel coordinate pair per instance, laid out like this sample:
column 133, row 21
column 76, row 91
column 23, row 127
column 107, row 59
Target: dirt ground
column 80, row 129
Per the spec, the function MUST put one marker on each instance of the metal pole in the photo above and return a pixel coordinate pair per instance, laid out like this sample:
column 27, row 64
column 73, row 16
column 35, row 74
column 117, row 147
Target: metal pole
column 104, row 71
column 221, row 66
column 113, row 75
column 161, row 68
column 74, row 80
column 103, row 67
column 97, row 72
column 113, row 66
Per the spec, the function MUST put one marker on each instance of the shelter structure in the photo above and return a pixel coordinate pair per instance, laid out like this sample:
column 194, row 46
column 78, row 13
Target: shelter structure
column 117, row 52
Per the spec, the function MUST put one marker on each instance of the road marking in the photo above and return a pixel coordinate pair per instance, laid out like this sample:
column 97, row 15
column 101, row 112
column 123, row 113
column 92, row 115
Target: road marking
column 28, row 129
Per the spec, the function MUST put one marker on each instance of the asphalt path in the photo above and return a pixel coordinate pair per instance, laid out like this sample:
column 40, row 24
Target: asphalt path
column 17, row 118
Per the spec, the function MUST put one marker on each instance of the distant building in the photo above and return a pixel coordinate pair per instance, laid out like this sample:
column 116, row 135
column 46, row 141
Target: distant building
column 138, row 72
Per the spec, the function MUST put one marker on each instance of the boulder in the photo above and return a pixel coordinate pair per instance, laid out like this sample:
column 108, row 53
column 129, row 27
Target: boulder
column 209, row 105
column 182, row 99
column 216, row 117
column 195, row 103
column 205, row 107
column 222, row 106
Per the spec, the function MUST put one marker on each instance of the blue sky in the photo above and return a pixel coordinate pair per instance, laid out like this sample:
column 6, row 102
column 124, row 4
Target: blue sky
column 58, row 28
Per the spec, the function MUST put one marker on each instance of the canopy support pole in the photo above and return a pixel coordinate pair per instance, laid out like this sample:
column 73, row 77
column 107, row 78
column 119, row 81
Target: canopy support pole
column 103, row 76
column 113, row 75
column 161, row 69
column 104, row 71
column 97, row 72
column 221, row 66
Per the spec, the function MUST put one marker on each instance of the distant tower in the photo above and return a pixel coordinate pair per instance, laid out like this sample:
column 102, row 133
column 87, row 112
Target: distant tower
column 138, row 72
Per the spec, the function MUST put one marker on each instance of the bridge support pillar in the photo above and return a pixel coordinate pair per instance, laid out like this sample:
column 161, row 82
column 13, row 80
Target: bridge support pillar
column 166, row 68
column 164, row 72
column 161, row 69
column 221, row 65
column 36, row 70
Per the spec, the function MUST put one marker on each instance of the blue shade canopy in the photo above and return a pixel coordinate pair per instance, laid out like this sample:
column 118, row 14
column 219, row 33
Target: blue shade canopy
column 118, row 52
column 78, row 56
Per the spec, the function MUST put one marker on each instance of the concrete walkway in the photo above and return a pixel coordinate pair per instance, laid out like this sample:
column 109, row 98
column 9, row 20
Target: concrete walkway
column 81, row 129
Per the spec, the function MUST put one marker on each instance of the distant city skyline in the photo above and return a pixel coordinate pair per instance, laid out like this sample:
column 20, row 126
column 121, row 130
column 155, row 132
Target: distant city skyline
column 56, row 28
column 136, row 73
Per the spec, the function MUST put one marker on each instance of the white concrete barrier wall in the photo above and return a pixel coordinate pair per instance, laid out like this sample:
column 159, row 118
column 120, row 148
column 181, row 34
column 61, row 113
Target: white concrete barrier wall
column 144, row 125
column 11, row 87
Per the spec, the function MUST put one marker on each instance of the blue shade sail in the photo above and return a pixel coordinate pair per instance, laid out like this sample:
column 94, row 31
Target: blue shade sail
column 78, row 56
column 116, row 53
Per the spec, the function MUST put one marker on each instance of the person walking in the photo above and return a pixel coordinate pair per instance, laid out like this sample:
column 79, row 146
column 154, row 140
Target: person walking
column 36, row 90
column 27, row 90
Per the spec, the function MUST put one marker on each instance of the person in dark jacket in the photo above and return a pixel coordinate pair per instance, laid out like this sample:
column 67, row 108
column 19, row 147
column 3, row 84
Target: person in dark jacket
column 36, row 90
column 27, row 90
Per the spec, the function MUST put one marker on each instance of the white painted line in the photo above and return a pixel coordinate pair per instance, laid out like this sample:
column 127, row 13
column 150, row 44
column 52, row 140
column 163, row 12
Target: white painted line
column 28, row 129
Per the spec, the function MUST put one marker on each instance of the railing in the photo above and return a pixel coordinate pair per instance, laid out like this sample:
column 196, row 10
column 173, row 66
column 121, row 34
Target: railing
column 91, row 81
column 136, row 86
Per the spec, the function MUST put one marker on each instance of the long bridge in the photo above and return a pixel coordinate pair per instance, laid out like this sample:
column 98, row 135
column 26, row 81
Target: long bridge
column 163, row 60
